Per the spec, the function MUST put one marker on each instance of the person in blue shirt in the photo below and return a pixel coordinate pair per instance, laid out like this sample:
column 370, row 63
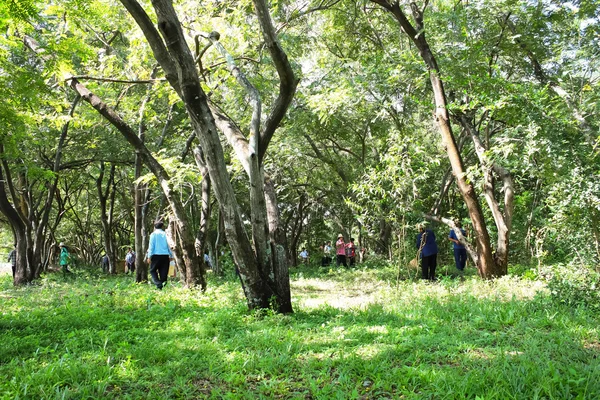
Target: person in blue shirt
column 428, row 252
column 159, row 256
column 460, row 253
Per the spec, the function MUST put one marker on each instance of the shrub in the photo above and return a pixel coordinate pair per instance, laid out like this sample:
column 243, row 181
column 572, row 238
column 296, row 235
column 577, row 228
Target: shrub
column 573, row 285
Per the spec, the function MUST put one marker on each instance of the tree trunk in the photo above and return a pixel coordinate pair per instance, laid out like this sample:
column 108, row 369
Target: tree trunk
column 107, row 234
column 141, row 268
column 502, row 217
column 205, row 209
column 258, row 293
column 180, row 68
column 277, row 246
column 18, row 227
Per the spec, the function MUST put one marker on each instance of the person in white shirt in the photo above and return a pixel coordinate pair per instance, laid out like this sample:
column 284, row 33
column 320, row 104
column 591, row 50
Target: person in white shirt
column 130, row 261
column 304, row 256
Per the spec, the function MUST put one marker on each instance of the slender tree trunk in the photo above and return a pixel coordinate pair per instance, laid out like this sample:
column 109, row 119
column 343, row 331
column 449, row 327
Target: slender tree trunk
column 141, row 268
column 205, row 209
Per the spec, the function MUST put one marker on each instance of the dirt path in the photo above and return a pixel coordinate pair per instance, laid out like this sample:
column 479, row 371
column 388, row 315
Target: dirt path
column 315, row 292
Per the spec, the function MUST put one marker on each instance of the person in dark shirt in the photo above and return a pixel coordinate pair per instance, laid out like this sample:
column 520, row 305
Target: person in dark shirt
column 428, row 252
column 460, row 253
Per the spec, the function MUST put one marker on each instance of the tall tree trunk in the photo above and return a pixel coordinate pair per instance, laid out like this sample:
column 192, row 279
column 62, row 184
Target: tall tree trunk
column 502, row 216
column 107, row 234
column 279, row 262
column 205, row 209
column 15, row 221
column 180, row 68
column 141, row 268
column 258, row 293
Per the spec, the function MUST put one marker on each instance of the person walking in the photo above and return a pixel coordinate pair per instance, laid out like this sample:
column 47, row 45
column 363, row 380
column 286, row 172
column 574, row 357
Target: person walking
column 65, row 258
column 12, row 259
column 460, row 253
column 326, row 254
column 105, row 263
column 159, row 255
column 207, row 260
column 340, row 251
column 130, row 261
column 304, row 256
column 428, row 252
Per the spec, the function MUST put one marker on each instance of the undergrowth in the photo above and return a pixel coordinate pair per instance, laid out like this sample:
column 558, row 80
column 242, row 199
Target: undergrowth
column 355, row 334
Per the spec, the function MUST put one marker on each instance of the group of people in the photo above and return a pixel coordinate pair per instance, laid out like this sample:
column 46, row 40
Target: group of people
column 345, row 253
column 129, row 262
column 64, row 259
column 428, row 249
column 159, row 254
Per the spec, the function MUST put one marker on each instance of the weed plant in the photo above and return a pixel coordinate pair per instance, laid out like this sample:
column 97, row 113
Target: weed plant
column 355, row 334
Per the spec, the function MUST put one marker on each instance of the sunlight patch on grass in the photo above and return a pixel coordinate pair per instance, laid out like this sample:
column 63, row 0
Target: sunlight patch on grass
column 312, row 293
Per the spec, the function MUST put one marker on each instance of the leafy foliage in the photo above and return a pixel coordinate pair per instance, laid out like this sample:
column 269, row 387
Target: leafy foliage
column 573, row 285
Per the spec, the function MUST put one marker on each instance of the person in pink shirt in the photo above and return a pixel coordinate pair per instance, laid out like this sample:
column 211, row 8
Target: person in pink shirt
column 340, row 251
column 351, row 252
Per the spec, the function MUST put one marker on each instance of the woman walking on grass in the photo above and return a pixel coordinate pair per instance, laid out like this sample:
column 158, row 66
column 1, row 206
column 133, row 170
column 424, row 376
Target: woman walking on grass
column 64, row 258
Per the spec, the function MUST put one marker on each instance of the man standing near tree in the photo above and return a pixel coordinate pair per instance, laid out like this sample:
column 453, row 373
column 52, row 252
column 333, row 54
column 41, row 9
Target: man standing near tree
column 428, row 252
column 130, row 261
column 159, row 256
column 12, row 259
column 460, row 253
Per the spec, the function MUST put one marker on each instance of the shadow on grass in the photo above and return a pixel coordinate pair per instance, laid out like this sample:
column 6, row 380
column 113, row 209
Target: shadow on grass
column 110, row 338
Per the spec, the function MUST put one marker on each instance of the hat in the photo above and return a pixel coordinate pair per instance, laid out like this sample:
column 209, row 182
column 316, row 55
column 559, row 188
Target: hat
column 61, row 244
column 340, row 236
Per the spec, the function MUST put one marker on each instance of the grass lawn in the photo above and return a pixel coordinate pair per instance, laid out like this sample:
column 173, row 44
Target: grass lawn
column 356, row 334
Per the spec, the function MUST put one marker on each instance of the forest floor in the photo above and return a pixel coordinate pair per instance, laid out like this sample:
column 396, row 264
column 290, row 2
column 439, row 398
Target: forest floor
column 355, row 334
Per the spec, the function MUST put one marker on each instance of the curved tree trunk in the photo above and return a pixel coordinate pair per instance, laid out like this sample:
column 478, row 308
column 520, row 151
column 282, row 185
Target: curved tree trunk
column 179, row 65
column 502, row 216
column 103, row 196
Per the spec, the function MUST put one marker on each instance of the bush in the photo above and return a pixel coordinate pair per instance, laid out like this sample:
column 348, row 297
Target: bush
column 573, row 286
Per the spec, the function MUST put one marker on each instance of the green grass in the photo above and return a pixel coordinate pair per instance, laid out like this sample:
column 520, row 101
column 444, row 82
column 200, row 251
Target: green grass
column 355, row 335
